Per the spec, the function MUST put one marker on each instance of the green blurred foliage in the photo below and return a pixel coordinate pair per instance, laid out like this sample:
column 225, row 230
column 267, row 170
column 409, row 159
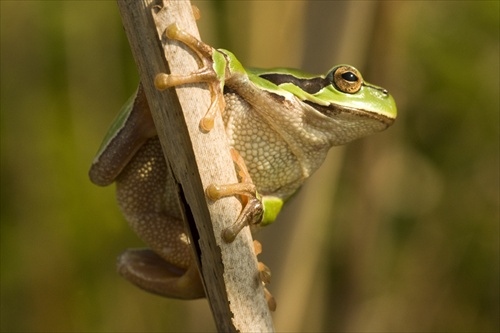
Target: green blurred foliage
column 411, row 242
column 435, row 253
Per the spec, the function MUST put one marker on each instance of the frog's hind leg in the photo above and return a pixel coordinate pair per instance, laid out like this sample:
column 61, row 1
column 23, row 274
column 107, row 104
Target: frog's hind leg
column 167, row 269
column 144, row 192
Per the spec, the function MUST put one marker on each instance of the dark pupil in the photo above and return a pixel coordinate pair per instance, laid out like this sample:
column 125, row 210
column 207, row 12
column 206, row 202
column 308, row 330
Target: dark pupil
column 349, row 76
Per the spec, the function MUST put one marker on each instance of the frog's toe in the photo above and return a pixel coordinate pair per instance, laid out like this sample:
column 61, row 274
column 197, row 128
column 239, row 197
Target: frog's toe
column 150, row 272
column 251, row 215
column 265, row 276
column 271, row 301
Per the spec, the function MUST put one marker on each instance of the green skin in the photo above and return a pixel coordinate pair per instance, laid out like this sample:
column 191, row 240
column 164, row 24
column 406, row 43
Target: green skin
column 281, row 121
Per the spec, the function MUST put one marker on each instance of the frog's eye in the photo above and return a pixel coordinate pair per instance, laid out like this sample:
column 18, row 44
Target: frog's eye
column 347, row 79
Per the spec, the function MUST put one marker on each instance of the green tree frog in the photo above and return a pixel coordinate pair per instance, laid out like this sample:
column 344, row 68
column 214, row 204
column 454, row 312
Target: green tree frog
column 279, row 122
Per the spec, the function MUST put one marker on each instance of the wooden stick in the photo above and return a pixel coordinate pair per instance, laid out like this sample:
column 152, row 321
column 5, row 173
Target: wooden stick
column 197, row 159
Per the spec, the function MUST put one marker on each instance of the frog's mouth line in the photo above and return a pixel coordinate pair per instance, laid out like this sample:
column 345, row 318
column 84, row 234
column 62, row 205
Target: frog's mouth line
column 334, row 110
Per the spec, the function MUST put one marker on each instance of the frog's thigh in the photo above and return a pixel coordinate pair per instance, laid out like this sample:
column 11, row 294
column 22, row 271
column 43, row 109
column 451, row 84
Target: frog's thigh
column 147, row 270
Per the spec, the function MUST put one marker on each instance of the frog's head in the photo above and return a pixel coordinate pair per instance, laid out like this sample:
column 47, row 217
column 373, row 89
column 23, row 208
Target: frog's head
column 356, row 107
column 340, row 102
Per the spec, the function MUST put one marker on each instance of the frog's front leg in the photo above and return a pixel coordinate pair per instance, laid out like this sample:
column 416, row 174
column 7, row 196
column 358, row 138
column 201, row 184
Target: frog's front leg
column 212, row 72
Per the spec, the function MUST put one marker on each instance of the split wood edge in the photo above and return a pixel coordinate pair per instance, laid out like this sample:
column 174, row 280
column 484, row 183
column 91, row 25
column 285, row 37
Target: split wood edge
column 230, row 274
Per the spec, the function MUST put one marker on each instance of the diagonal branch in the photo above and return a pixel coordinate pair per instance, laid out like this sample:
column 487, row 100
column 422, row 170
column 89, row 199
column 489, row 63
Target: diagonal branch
column 197, row 159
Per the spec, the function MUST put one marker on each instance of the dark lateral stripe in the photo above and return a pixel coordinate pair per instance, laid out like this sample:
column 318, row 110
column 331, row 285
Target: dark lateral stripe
column 311, row 86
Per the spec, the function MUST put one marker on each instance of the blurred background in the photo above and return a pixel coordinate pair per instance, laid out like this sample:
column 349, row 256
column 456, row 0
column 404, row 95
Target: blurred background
column 396, row 232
